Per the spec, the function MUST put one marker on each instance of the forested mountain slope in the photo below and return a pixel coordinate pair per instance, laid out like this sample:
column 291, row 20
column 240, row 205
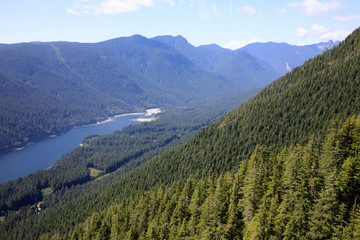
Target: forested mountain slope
column 70, row 190
column 304, row 192
column 293, row 153
column 37, row 101
column 244, row 70
column 298, row 107
column 167, row 68
column 291, row 110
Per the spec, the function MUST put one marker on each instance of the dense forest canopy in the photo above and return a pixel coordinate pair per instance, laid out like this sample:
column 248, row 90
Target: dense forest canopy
column 80, row 176
column 302, row 192
column 284, row 165
column 303, row 184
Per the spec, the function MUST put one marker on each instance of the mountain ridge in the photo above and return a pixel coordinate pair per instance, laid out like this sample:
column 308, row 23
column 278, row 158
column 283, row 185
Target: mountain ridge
column 241, row 68
column 298, row 107
column 284, row 57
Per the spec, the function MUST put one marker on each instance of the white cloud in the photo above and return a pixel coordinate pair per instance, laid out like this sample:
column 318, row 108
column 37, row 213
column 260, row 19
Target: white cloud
column 301, row 32
column 120, row 6
column 347, row 18
column 329, row 34
column 318, row 29
column 315, row 7
column 336, row 35
column 250, row 10
column 108, row 7
column 239, row 44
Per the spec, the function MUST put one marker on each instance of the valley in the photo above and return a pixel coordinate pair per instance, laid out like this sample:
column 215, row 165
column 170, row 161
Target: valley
column 49, row 88
column 180, row 120
column 43, row 154
column 226, row 164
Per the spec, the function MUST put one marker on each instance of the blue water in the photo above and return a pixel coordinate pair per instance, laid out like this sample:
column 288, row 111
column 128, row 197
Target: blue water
column 43, row 154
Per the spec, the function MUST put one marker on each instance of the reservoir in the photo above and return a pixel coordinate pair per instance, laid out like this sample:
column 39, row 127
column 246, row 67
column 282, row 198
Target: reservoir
column 43, row 154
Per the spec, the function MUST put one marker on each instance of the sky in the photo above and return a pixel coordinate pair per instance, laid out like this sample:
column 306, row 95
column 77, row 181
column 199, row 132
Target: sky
column 228, row 23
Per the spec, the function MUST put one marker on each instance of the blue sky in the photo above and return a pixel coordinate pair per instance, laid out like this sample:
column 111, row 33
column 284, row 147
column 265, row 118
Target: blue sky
column 228, row 23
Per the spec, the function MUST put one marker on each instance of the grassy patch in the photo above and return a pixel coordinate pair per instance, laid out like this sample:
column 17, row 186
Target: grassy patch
column 94, row 173
column 2, row 219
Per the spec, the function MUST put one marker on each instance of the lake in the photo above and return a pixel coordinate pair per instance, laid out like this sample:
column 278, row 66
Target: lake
column 43, row 154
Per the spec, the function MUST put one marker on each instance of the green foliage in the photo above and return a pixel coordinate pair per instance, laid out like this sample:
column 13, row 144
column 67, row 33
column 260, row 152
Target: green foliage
column 293, row 109
column 271, row 199
column 68, row 187
column 305, row 187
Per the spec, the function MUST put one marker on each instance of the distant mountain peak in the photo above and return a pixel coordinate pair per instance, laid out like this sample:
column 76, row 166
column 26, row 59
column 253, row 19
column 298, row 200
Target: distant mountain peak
column 178, row 42
column 212, row 46
column 327, row 45
column 137, row 36
column 179, row 37
column 275, row 53
column 242, row 69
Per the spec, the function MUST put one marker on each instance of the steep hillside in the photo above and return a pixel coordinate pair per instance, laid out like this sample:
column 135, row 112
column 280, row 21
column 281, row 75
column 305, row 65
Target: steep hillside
column 23, row 106
column 291, row 110
column 167, row 68
column 305, row 192
column 304, row 183
column 46, row 95
column 298, row 107
column 284, row 57
column 245, row 71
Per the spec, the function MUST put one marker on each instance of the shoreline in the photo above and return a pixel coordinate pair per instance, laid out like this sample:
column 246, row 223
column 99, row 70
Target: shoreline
column 78, row 143
column 109, row 119
column 152, row 111
column 53, row 135
column 144, row 119
column 148, row 112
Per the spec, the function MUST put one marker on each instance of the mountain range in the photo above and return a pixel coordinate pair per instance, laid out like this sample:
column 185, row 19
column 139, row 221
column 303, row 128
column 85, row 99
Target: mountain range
column 283, row 165
column 284, row 57
column 48, row 88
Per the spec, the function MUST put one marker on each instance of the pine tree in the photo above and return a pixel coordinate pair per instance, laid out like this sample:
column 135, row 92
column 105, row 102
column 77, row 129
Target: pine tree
column 235, row 224
column 181, row 210
column 326, row 209
column 266, row 214
column 194, row 208
column 254, row 183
